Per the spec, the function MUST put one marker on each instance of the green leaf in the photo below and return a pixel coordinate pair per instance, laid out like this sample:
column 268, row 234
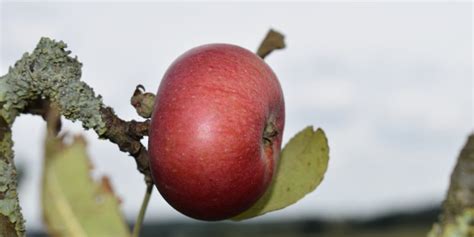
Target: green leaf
column 74, row 204
column 301, row 168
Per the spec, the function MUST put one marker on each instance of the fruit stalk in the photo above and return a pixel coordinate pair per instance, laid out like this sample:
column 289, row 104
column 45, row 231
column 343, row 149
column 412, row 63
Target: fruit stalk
column 141, row 215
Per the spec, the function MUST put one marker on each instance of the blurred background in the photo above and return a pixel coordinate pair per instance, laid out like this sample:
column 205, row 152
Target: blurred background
column 390, row 83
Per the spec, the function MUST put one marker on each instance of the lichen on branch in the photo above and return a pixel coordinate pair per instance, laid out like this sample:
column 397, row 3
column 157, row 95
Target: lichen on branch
column 457, row 218
column 49, row 75
column 11, row 219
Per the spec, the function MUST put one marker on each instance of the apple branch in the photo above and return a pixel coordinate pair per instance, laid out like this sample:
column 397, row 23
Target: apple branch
column 11, row 219
column 50, row 75
column 127, row 135
column 457, row 218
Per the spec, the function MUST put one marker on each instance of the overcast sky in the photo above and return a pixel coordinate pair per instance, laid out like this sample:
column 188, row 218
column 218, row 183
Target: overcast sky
column 390, row 83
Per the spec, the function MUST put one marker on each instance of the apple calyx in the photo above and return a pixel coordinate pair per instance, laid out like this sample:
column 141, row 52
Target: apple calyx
column 270, row 132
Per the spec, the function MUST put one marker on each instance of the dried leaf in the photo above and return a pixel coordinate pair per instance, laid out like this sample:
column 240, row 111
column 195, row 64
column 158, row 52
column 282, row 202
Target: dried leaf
column 74, row 204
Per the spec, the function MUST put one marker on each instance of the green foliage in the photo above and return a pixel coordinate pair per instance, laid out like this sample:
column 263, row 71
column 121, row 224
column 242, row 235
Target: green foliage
column 74, row 204
column 301, row 169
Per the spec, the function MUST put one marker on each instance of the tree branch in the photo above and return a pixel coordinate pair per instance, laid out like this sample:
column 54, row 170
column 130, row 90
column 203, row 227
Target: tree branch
column 127, row 136
column 50, row 75
column 11, row 219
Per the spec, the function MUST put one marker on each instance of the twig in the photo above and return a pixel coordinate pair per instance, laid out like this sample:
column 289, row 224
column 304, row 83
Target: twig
column 50, row 75
column 11, row 218
column 141, row 214
column 127, row 136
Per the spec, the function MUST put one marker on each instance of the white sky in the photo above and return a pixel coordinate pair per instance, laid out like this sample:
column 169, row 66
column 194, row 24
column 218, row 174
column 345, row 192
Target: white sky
column 390, row 83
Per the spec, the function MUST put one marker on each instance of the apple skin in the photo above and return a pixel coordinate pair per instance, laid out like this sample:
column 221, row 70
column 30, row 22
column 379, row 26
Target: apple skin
column 216, row 131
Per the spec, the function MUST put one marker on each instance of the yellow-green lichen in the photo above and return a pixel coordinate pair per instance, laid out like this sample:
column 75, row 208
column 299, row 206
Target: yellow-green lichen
column 47, row 73
column 5, row 174
column 457, row 219
column 462, row 227
column 9, row 203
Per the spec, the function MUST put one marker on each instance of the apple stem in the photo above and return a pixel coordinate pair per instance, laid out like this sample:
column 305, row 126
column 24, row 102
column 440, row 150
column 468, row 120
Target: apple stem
column 141, row 214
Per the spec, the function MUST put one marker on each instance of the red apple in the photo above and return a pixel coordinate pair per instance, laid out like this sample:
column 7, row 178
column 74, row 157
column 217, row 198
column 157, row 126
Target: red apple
column 216, row 131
